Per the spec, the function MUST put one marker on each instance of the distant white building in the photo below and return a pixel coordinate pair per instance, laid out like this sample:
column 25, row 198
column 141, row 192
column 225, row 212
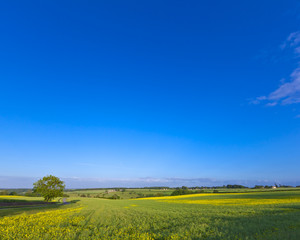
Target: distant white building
column 110, row 190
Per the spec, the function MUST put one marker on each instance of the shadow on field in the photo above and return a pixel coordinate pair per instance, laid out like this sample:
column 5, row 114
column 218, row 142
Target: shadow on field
column 294, row 208
column 75, row 201
column 30, row 207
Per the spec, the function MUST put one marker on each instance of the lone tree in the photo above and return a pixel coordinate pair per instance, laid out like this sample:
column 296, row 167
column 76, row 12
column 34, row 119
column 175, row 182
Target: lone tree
column 49, row 187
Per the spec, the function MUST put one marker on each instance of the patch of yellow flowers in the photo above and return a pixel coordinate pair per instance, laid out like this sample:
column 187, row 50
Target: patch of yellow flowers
column 57, row 224
column 194, row 199
column 66, row 224
column 10, row 196
column 236, row 201
column 189, row 196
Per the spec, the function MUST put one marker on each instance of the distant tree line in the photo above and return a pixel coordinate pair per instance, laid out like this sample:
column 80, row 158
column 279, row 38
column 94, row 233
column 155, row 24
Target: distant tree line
column 235, row 186
column 230, row 186
column 270, row 186
column 182, row 191
column 6, row 192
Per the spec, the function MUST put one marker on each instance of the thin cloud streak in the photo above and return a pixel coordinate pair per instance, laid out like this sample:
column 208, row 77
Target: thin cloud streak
column 292, row 41
column 77, row 183
column 288, row 92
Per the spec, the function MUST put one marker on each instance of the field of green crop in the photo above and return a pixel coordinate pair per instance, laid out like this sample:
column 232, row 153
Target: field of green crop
column 131, row 193
column 122, row 193
column 253, row 215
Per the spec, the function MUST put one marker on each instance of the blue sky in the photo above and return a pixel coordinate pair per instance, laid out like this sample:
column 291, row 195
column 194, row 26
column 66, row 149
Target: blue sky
column 123, row 91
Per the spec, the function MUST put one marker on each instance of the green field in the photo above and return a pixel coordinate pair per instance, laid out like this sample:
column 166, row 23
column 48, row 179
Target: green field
column 122, row 193
column 130, row 193
column 252, row 215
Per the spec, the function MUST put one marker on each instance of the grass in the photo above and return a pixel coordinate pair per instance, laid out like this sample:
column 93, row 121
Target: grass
column 252, row 215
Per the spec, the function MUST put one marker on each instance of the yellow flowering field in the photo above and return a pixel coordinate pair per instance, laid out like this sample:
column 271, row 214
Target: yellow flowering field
column 9, row 196
column 227, row 199
column 47, row 225
column 191, row 196
column 241, row 201
column 265, row 216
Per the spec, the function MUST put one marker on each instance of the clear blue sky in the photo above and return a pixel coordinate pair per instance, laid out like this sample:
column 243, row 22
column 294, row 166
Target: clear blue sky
column 150, row 89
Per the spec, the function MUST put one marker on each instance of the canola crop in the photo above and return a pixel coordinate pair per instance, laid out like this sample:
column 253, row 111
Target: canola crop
column 265, row 216
column 224, row 199
column 191, row 196
column 237, row 201
column 57, row 224
column 67, row 224
column 9, row 196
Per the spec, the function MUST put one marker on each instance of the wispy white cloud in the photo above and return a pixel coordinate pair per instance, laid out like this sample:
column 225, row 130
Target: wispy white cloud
column 287, row 92
column 271, row 104
column 78, row 182
column 292, row 41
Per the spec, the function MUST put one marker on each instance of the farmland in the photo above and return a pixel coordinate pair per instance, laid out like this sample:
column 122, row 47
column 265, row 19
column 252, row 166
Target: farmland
column 251, row 215
column 122, row 193
column 131, row 193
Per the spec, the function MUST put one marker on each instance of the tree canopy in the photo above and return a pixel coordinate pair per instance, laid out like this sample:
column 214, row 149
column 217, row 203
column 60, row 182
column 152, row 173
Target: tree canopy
column 49, row 187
